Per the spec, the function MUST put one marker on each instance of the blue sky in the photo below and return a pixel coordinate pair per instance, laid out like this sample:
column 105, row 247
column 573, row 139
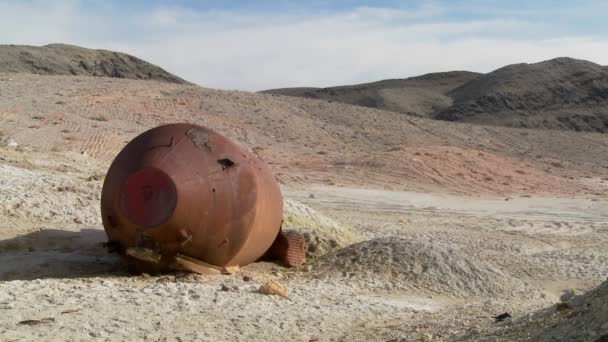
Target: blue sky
column 255, row 45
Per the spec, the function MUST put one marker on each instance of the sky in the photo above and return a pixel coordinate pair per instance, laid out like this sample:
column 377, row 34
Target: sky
column 255, row 45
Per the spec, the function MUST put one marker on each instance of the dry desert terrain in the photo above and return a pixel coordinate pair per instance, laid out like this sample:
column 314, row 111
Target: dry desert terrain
column 421, row 230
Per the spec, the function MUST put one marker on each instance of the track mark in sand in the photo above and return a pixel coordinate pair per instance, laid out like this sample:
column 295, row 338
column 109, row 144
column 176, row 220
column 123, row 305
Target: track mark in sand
column 400, row 302
column 102, row 144
column 563, row 228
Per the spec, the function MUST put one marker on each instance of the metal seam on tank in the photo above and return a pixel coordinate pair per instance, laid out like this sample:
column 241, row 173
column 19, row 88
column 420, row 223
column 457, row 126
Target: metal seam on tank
column 203, row 179
column 204, row 212
column 162, row 162
column 231, row 177
column 234, row 213
column 254, row 209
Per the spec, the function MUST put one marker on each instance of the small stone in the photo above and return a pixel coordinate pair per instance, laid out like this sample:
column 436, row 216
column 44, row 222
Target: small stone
column 573, row 297
column 273, row 288
column 314, row 339
column 426, row 338
column 502, row 317
column 224, row 288
column 569, row 294
column 77, row 220
column 231, row 269
column 247, row 278
column 95, row 177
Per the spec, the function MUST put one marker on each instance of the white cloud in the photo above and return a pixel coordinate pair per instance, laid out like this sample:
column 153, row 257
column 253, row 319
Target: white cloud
column 260, row 51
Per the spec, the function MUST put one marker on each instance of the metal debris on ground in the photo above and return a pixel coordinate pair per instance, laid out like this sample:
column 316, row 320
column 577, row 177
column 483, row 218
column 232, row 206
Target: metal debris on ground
column 37, row 321
column 69, row 311
column 502, row 317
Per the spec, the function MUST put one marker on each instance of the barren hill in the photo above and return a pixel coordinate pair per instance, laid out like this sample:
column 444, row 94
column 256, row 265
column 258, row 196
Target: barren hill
column 561, row 93
column 62, row 59
column 418, row 96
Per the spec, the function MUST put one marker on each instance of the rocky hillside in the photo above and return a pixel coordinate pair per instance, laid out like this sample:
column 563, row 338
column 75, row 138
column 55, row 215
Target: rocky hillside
column 562, row 93
column 418, row 96
column 62, row 59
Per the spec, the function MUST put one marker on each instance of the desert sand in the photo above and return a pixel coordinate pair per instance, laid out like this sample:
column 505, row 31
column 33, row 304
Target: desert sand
column 418, row 230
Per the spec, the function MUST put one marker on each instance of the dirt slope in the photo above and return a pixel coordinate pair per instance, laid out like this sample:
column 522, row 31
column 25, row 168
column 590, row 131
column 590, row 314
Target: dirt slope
column 562, row 93
column 305, row 141
column 62, row 59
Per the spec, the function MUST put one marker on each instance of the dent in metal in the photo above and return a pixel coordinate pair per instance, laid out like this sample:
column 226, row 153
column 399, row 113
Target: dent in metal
column 200, row 138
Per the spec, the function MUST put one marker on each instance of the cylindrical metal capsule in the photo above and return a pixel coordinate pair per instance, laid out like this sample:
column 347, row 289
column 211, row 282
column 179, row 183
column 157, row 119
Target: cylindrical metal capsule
column 183, row 189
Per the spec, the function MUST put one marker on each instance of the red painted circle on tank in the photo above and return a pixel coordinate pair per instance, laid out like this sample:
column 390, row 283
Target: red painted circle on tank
column 148, row 197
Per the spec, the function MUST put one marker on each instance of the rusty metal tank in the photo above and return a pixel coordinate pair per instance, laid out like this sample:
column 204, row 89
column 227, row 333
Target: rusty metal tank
column 185, row 190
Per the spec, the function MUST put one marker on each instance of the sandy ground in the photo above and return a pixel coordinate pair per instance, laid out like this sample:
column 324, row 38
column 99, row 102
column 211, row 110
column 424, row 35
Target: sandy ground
column 422, row 230
column 466, row 260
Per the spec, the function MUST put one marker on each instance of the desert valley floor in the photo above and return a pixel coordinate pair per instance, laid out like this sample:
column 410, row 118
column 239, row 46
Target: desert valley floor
column 422, row 230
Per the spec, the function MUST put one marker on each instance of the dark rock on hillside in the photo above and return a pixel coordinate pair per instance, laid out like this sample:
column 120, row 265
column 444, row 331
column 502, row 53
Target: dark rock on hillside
column 62, row 59
column 420, row 96
column 561, row 93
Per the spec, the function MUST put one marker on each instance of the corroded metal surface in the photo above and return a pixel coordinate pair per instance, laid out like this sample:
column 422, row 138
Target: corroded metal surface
column 289, row 247
column 184, row 189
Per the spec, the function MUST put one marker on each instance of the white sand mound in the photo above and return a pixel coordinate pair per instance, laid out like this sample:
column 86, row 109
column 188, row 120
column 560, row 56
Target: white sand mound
column 420, row 265
column 322, row 233
column 48, row 195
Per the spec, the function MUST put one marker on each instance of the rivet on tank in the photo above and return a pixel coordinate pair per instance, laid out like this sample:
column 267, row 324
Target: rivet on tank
column 183, row 197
